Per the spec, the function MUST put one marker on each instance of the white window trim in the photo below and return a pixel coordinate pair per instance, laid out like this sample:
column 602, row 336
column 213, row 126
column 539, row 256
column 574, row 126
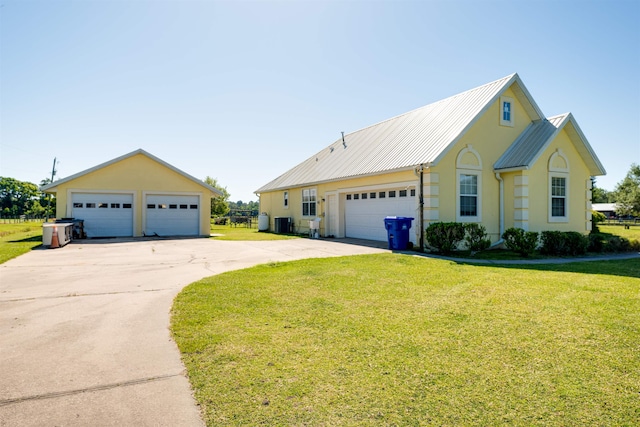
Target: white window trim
column 285, row 200
column 511, row 121
column 313, row 193
column 555, row 172
column 567, row 192
column 478, row 217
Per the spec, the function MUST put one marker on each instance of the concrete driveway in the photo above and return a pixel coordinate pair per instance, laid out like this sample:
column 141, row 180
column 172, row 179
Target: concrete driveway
column 84, row 336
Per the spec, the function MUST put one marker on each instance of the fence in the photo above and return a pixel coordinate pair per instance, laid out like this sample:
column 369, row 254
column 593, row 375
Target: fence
column 20, row 218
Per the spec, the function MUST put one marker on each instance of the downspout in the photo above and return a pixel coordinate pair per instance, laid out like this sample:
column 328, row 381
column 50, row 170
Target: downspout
column 420, row 169
column 501, row 210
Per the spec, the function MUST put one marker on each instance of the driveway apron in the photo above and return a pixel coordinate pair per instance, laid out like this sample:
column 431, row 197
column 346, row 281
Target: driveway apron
column 84, row 336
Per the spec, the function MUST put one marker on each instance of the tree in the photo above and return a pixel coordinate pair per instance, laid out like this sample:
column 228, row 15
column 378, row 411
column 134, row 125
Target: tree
column 627, row 193
column 219, row 205
column 17, row 197
column 600, row 195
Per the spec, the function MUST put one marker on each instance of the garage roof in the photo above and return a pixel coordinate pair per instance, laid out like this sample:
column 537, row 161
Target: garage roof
column 51, row 188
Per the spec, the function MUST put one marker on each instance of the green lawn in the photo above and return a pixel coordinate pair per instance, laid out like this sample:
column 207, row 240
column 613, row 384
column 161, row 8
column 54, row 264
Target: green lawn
column 240, row 232
column 632, row 233
column 19, row 238
column 403, row 340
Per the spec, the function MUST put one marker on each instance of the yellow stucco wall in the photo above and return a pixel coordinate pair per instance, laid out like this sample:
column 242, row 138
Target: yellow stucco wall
column 138, row 175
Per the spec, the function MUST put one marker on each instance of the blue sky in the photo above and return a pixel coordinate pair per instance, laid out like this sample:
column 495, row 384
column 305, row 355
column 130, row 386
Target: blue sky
column 242, row 91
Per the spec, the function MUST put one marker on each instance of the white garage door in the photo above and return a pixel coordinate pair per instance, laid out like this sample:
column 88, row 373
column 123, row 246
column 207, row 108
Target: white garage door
column 104, row 215
column 172, row 215
column 365, row 212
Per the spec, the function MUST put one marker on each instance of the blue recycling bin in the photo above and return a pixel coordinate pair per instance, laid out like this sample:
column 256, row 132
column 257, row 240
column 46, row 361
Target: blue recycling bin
column 398, row 231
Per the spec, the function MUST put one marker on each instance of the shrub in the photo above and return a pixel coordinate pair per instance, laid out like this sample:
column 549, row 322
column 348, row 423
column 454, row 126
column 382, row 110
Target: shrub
column 445, row 236
column 596, row 242
column 520, row 241
column 476, row 237
column 564, row 243
column 597, row 217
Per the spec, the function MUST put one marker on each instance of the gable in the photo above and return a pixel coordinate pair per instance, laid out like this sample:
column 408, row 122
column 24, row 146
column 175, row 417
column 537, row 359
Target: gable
column 137, row 169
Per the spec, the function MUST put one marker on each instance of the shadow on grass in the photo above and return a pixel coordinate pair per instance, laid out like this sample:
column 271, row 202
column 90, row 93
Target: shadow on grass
column 28, row 239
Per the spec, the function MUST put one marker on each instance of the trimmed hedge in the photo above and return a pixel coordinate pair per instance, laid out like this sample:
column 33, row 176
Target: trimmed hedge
column 445, row 236
column 520, row 241
column 563, row 243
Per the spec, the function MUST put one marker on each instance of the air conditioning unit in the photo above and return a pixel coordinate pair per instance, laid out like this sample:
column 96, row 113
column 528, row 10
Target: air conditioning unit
column 282, row 224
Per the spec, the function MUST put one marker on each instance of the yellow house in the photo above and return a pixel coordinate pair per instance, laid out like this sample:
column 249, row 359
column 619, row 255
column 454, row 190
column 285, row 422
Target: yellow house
column 135, row 195
column 487, row 155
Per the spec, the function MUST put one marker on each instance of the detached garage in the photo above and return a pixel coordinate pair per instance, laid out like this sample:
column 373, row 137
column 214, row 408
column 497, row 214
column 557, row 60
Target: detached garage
column 135, row 195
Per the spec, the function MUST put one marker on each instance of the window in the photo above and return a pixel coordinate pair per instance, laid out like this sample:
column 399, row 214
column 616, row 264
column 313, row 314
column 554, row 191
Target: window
column 413, row 192
column 309, row 202
column 285, row 199
column 162, row 206
column 356, row 196
column 77, row 205
column 193, row 206
column 372, row 195
column 151, row 206
column 115, row 205
column 364, row 196
column 90, row 205
column 173, row 206
column 558, row 196
column 506, row 111
column 403, row 193
column 348, row 196
column 126, row 206
column 382, row 194
column 468, row 195
column 183, row 206
column 392, row 193
column 103, row 205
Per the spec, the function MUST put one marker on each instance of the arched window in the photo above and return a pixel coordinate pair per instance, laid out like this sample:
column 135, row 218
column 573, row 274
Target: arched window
column 469, row 185
column 558, row 183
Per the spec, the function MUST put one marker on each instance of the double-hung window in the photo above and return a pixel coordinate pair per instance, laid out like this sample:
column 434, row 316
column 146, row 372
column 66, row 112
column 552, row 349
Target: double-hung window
column 468, row 195
column 558, row 197
column 309, row 199
column 506, row 111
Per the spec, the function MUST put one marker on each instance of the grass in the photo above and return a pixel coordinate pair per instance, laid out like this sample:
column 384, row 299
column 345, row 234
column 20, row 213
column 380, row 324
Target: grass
column 632, row 233
column 403, row 340
column 229, row 232
column 19, row 238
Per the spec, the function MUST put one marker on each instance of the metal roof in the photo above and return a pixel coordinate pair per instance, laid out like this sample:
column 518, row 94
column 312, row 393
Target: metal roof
column 418, row 137
column 528, row 147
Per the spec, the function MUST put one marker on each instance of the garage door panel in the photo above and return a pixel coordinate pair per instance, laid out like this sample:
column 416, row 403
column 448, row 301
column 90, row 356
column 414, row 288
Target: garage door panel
column 172, row 215
column 364, row 218
column 104, row 214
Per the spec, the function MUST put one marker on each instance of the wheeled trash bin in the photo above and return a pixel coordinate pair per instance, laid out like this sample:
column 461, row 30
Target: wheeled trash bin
column 398, row 231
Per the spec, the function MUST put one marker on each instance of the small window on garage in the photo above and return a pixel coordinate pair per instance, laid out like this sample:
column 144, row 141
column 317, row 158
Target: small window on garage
column 413, row 192
column 348, row 196
column 372, row 195
column 77, row 205
column 103, row 205
column 183, row 206
column 173, row 206
column 162, row 206
column 356, row 196
column 151, row 206
column 115, row 205
column 90, row 205
column 193, row 206
column 126, row 206
column 382, row 194
column 392, row 193
column 364, row 196
column 403, row 193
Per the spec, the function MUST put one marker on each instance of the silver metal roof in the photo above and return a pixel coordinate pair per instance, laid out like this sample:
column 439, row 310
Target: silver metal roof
column 421, row 136
column 528, row 147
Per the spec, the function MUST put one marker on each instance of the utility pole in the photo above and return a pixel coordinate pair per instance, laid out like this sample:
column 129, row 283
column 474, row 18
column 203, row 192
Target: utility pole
column 53, row 174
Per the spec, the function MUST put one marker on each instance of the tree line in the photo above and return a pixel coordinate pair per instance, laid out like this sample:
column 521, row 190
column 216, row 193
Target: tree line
column 25, row 198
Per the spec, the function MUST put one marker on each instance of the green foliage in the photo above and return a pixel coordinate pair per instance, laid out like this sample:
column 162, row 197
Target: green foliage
column 21, row 198
column 445, row 236
column 600, row 195
column 563, row 243
column 219, row 205
column 520, row 241
column 476, row 237
column 627, row 193
column 596, row 217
